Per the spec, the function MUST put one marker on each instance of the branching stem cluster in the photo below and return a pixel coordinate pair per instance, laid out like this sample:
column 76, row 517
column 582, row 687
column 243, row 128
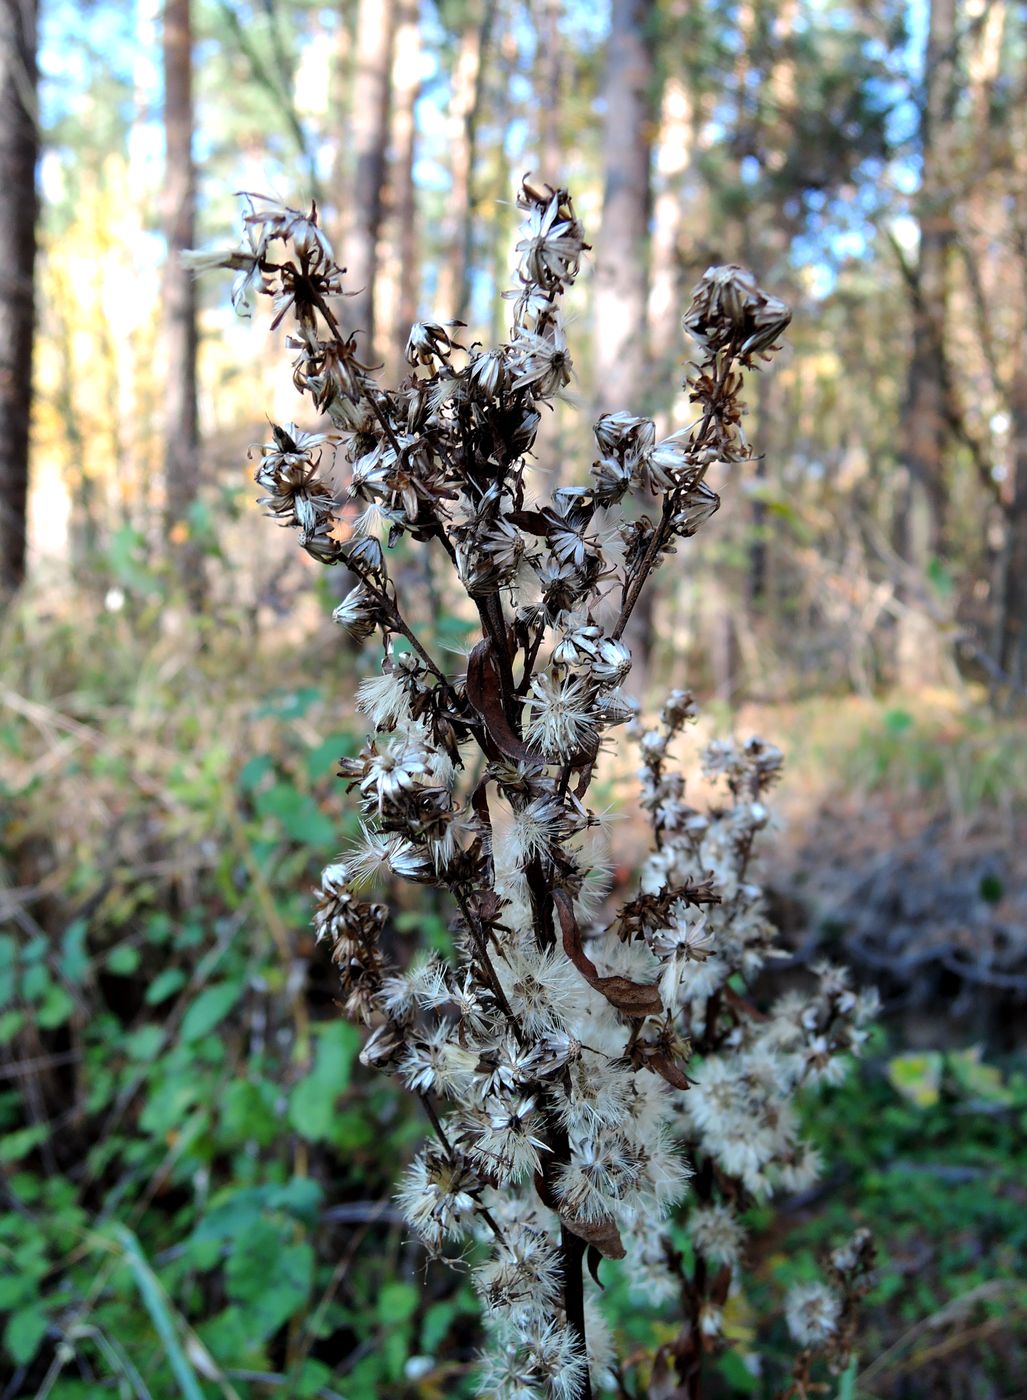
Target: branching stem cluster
column 588, row 1077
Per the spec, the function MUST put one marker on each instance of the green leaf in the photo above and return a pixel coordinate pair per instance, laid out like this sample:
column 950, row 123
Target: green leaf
column 252, row 773
column 437, row 1322
column 74, row 954
column 15, row 1289
column 36, row 982
column 321, row 759
column 737, row 1375
column 941, row 578
column 297, row 813
column 300, row 1197
column 230, row 1337
column 25, row 1329
column 210, row 1008
column 269, row 1275
column 395, row 1352
column 898, row 721
column 991, row 888
column 979, row 1080
column 917, row 1076
column 169, row 1101
column 248, row 1114
column 55, row 1008
column 232, row 1215
column 11, row 1023
column 312, row 1101
column 288, row 704
column 14, row 1146
column 311, row 1109
column 397, row 1303
column 144, row 1042
column 123, row 960
column 313, row 1377
column 165, row 985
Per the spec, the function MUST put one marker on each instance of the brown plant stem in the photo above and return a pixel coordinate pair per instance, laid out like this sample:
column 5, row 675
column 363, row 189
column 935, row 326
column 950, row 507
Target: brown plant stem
column 573, row 1250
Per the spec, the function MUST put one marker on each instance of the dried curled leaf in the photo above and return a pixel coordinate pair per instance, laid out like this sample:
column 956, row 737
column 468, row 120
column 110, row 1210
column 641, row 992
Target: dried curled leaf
column 601, row 1235
column 636, row 999
column 485, row 694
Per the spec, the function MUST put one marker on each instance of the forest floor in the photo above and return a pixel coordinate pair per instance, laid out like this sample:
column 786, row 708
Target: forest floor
column 155, row 1024
column 902, row 848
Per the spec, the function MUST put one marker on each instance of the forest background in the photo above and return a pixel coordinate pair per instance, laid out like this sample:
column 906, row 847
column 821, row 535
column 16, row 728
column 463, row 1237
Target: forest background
column 196, row 1174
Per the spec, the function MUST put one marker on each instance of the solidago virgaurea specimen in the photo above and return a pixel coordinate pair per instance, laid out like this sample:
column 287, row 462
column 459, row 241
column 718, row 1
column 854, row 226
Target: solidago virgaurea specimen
column 584, row 1071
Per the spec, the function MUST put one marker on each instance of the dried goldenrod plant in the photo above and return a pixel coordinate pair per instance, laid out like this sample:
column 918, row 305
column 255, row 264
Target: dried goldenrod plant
column 584, row 1071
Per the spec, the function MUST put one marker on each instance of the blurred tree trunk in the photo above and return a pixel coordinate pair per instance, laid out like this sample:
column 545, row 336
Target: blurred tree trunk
column 622, row 264
column 549, row 67
column 501, row 179
column 1012, row 591
column 924, row 428
column 1012, row 597
column 405, row 89
column 622, row 268
column 340, row 108
column 369, row 134
column 464, row 112
column 181, row 426
column 770, row 232
column 19, row 149
column 674, row 152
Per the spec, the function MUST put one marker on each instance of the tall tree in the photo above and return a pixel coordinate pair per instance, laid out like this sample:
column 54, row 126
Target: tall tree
column 549, row 64
column 405, row 89
column 621, row 281
column 369, row 130
column 464, row 111
column 1011, row 628
column 924, row 428
column 181, row 424
column 620, row 339
column 19, row 150
column 674, row 154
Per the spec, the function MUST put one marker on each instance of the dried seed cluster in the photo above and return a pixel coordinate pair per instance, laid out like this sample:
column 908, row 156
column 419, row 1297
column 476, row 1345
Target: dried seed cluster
column 579, row 1071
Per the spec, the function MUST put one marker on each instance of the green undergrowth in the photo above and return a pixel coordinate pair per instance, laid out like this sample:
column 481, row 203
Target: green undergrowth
column 196, row 1172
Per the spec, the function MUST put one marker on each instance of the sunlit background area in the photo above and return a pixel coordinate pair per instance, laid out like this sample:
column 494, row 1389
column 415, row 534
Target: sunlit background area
column 196, row 1196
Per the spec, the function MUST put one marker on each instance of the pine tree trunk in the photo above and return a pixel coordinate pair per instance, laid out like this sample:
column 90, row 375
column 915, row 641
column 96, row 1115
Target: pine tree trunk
column 1012, row 601
column 370, row 137
column 405, row 89
column 622, row 264
column 550, row 83
column 924, row 429
column 621, row 281
column 19, row 149
column 464, row 110
column 181, row 426
column 674, row 154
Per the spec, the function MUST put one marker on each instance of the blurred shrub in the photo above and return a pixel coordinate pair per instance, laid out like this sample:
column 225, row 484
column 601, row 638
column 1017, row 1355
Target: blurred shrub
column 195, row 1198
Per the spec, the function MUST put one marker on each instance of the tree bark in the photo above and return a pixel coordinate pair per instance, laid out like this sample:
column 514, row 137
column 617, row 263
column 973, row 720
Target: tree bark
column 770, row 231
column 370, row 137
column 549, row 64
column 1012, row 600
column 181, row 420
column 405, row 90
column 620, row 344
column 621, row 279
column 924, row 430
column 19, row 150
column 464, row 110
